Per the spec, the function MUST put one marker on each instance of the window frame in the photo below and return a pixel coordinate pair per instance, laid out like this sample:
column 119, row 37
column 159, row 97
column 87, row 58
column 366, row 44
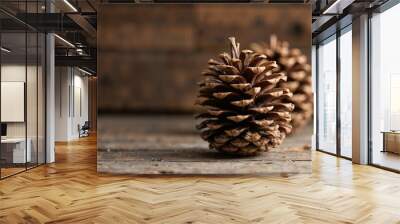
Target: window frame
column 378, row 10
column 347, row 27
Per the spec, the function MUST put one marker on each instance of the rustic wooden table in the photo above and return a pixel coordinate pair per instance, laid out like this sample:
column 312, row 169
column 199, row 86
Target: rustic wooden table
column 170, row 145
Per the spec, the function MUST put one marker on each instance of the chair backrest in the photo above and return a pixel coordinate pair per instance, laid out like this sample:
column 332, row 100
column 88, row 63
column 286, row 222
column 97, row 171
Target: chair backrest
column 86, row 124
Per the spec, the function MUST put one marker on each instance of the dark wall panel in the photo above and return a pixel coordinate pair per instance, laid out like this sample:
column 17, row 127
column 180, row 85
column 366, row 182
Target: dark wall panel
column 150, row 56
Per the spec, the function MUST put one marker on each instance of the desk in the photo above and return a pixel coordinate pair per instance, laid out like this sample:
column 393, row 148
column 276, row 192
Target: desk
column 13, row 150
column 391, row 141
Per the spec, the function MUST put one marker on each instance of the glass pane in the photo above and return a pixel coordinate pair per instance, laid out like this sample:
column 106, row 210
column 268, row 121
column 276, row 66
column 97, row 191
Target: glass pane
column 23, row 90
column 32, row 95
column 346, row 94
column 31, row 88
column 14, row 153
column 327, row 96
column 385, row 84
column 41, row 98
column 314, row 85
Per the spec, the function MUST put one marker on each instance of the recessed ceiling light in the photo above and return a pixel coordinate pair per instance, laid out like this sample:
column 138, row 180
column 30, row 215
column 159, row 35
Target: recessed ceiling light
column 5, row 50
column 70, row 5
column 64, row 40
column 337, row 7
column 84, row 71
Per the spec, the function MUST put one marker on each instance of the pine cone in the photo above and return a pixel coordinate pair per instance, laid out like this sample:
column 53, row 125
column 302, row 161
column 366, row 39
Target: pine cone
column 293, row 63
column 245, row 113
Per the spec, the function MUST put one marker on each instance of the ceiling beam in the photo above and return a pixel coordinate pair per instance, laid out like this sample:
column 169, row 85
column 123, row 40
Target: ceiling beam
column 337, row 7
column 84, row 24
column 77, row 61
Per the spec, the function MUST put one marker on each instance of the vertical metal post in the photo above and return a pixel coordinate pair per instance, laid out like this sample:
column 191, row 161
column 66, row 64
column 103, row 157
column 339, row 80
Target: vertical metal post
column 316, row 96
column 338, row 98
column 0, row 97
column 37, row 90
column 50, row 92
column 369, row 126
column 26, row 87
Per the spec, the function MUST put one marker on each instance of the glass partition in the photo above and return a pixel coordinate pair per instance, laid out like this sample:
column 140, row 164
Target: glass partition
column 326, row 95
column 32, row 96
column 14, row 153
column 41, row 96
column 22, row 88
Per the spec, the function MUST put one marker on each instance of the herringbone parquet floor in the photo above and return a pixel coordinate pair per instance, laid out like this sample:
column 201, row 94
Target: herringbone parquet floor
column 70, row 191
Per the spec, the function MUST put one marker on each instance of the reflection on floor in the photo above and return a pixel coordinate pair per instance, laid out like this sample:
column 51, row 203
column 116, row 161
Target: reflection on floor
column 71, row 191
column 387, row 159
column 11, row 169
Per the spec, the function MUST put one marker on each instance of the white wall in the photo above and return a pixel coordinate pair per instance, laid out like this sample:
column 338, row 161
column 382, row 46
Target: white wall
column 71, row 102
column 62, row 82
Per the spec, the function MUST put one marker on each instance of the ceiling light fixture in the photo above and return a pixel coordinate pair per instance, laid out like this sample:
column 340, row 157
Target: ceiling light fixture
column 337, row 7
column 84, row 71
column 64, row 40
column 5, row 50
column 70, row 5
column 79, row 51
column 333, row 6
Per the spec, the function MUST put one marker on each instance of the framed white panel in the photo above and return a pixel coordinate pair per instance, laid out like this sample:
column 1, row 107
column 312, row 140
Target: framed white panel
column 12, row 101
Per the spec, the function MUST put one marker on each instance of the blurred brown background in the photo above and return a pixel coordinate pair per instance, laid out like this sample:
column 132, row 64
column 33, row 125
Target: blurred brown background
column 150, row 56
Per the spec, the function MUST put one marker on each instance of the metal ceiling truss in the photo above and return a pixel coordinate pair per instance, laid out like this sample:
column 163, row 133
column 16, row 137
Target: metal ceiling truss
column 79, row 28
column 330, row 15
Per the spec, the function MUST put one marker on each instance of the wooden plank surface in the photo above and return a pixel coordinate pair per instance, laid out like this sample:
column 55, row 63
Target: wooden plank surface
column 150, row 56
column 170, row 145
column 147, row 167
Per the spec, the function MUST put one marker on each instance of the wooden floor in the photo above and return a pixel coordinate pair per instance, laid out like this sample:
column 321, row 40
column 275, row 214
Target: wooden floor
column 5, row 172
column 70, row 191
column 386, row 159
